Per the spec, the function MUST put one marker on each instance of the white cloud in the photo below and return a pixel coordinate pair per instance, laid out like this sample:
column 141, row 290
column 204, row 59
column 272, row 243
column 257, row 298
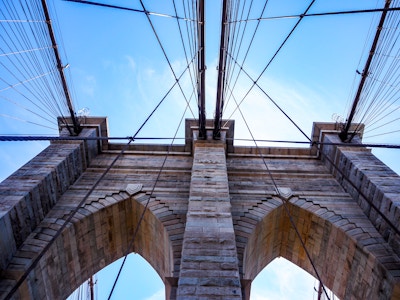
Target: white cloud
column 282, row 280
column 131, row 62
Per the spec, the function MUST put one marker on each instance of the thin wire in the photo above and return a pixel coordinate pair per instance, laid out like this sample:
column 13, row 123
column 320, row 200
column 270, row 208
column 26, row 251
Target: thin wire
column 165, row 55
column 283, row 201
column 132, row 9
column 347, row 107
column 33, row 102
column 67, row 71
column 64, row 225
column 247, row 51
column 25, row 51
column 26, row 121
column 24, row 138
column 13, row 86
column 273, row 102
column 331, row 13
column 184, row 46
column 132, row 241
column 28, row 63
column 73, row 212
column 22, row 21
column 255, row 82
column 190, row 34
column 380, row 96
column 45, row 61
column 385, row 133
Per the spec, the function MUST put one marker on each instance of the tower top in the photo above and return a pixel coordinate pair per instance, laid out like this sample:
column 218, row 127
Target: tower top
column 308, row 149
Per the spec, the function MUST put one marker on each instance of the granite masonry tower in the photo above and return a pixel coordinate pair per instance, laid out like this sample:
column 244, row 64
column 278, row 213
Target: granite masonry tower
column 214, row 218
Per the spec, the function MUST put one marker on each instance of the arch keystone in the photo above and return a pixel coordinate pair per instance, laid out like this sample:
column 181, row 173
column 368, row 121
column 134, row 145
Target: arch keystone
column 133, row 188
column 285, row 192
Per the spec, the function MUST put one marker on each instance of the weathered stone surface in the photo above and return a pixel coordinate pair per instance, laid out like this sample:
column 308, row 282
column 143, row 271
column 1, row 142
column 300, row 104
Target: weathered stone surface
column 209, row 214
column 213, row 219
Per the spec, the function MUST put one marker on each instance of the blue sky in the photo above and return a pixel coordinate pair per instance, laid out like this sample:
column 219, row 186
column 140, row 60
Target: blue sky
column 118, row 70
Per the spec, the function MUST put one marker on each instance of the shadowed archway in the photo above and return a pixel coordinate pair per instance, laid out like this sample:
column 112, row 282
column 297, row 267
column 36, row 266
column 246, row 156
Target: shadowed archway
column 351, row 264
column 87, row 244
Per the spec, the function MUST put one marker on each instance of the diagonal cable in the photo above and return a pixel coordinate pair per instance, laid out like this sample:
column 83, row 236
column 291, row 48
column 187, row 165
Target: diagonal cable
column 165, row 54
column 330, row 13
column 274, row 102
column 255, row 82
column 247, row 51
column 287, row 210
column 72, row 214
column 183, row 45
column 132, row 241
column 131, row 9
column 275, row 54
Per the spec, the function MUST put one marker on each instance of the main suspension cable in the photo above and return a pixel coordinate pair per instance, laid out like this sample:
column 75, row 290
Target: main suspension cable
column 255, row 82
column 344, row 134
column 76, row 209
column 30, row 64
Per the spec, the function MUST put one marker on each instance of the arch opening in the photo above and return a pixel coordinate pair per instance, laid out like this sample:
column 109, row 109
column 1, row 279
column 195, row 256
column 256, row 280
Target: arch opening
column 339, row 255
column 98, row 235
column 138, row 280
column 281, row 279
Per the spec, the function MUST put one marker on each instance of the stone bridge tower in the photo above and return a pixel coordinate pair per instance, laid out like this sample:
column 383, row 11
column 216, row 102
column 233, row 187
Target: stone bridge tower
column 213, row 221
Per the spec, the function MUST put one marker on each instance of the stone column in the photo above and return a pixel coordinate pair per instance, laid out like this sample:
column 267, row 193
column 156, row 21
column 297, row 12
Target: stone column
column 209, row 264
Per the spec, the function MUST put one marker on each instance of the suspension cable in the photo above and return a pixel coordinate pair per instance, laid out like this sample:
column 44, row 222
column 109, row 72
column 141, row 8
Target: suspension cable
column 333, row 13
column 201, row 63
column 73, row 212
column 184, row 45
column 255, row 82
column 132, row 9
column 165, row 54
column 344, row 134
column 132, row 241
column 27, row 138
column 283, row 202
column 380, row 95
column 247, row 51
column 219, row 104
column 29, row 58
column 60, row 68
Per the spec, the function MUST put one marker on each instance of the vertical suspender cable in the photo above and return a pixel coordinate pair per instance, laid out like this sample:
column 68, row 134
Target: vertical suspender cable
column 221, row 71
column 94, row 186
column 201, row 69
column 344, row 134
column 76, row 126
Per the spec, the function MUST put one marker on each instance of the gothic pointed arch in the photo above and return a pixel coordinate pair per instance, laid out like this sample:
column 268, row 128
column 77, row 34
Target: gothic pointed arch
column 100, row 233
column 351, row 257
